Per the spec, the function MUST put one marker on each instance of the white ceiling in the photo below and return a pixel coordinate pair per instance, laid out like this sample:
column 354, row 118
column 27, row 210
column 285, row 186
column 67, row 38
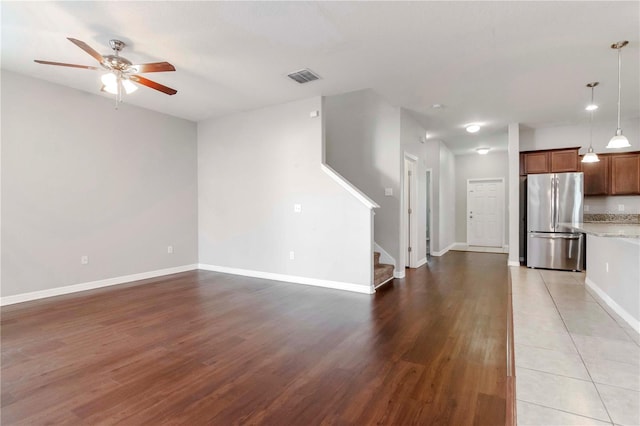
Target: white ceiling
column 488, row 62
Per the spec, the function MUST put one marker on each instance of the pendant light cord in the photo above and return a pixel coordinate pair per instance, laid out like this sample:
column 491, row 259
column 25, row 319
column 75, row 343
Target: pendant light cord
column 619, row 85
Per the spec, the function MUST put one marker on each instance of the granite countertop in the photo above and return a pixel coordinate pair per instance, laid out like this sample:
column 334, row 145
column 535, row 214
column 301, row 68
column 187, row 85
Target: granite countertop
column 599, row 229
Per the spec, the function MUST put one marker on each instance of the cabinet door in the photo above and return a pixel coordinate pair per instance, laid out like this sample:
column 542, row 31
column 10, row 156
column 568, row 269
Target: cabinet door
column 565, row 160
column 536, row 162
column 596, row 176
column 625, row 174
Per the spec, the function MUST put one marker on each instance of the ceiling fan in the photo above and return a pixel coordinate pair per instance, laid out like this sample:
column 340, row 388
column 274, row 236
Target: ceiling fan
column 122, row 73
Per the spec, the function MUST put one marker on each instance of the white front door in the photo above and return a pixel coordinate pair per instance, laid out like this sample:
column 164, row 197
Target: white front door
column 485, row 212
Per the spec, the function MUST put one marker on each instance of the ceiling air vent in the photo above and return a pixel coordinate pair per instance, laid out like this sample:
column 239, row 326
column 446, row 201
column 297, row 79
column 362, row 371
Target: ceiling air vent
column 303, row 76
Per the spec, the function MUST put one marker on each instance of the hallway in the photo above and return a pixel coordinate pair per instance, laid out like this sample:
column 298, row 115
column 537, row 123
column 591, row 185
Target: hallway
column 208, row 348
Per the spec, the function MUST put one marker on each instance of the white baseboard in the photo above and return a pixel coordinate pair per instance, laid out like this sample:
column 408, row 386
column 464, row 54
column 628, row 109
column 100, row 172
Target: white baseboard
column 367, row 289
column 41, row 294
column 481, row 249
column 398, row 273
column 384, row 282
column 421, row 262
column 627, row 317
column 513, row 263
column 442, row 252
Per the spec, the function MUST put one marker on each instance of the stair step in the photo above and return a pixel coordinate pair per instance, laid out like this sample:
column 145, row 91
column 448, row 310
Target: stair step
column 381, row 273
column 376, row 258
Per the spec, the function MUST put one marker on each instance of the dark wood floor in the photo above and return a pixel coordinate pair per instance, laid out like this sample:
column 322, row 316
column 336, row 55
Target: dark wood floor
column 207, row 348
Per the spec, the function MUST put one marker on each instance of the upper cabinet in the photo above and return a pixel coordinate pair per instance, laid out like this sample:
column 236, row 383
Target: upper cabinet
column 536, row 162
column 614, row 174
column 565, row 160
column 549, row 161
column 596, row 176
column 625, row 174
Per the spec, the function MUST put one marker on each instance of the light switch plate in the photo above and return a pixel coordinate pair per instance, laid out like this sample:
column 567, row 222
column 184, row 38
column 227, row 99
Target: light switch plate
column 314, row 114
column 297, row 208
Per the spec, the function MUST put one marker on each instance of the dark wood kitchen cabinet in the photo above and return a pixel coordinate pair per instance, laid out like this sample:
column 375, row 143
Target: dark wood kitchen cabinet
column 536, row 162
column 625, row 174
column 596, row 176
column 549, row 161
column 565, row 160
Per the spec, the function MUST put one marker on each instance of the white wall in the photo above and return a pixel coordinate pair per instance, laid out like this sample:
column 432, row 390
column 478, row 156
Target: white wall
column 617, row 284
column 568, row 136
column 447, row 208
column 80, row 178
column 362, row 143
column 473, row 166
column 252, row 168
column 515, row 131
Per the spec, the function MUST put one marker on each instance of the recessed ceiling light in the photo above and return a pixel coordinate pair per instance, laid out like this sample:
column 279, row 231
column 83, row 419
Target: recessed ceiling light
column 591, row 107
column 482, row 151
column 437, row 106
column 472, row 128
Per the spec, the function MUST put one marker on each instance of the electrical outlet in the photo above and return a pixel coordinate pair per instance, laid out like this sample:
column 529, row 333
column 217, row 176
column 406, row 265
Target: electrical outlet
column 84, row 260
column 388, row 192
column 297, row 208
column 292, row 255
column 314, row 114
column 586, row 207
column 170, row 249
column 620, row 207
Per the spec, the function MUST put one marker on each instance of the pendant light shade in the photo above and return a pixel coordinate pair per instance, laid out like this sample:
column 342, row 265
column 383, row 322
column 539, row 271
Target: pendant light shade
column 590, row 156
column 619, row 140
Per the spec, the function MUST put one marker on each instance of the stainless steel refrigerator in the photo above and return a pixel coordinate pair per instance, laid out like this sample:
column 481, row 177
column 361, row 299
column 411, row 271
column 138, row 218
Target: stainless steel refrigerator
column 554, row 199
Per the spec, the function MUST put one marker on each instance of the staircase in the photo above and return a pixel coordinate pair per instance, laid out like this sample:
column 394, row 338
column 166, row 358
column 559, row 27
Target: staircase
column 382, row 272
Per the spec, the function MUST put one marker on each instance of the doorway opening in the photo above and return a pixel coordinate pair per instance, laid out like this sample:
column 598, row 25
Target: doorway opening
column 428, row 218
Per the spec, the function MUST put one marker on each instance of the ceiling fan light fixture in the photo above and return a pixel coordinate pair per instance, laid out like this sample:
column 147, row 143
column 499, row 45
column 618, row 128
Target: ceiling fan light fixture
column 110, row 82
column 129, row 87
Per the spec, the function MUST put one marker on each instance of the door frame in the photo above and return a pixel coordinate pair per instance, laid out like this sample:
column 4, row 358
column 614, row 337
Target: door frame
column 501, row 209
column 429, row 210
column 409, row 222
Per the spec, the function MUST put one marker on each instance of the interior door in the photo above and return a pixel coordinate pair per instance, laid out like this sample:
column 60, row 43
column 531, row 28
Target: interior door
column 485, row 222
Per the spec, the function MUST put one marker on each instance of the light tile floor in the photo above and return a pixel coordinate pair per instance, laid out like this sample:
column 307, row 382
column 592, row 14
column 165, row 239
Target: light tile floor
column 577, row 362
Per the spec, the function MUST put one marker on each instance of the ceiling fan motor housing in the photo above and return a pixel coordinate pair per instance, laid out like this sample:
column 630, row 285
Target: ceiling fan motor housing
column 113, row 62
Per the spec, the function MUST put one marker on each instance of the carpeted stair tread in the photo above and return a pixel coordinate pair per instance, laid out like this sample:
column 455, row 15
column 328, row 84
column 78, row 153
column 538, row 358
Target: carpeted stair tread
column 381, row 273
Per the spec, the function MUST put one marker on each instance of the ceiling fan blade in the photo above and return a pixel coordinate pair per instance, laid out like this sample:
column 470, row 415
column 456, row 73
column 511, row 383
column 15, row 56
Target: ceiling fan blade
column 84, row 46
column 154, row 67
column 65, row 65
column 153, row 84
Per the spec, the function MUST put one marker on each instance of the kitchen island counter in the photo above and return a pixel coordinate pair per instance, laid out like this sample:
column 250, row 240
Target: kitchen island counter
column 600, row 229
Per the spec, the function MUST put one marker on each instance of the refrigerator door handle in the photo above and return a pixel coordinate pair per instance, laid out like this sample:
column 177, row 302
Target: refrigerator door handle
column 555, row 236
column 556, row 204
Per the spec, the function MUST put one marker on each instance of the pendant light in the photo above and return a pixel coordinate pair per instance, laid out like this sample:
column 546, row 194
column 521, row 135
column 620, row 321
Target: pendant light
column 619, row 141
column 590, row 156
